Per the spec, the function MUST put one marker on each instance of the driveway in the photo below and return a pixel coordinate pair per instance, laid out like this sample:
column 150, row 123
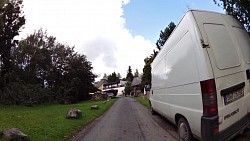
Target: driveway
column 128, row 120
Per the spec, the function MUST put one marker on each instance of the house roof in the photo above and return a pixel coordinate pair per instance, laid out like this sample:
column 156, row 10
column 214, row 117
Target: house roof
column 111, row 83
column 136, row 81
column 98, row 84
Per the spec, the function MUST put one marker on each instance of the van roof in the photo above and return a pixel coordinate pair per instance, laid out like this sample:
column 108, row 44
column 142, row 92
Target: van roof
column 192, row 10
column 204, row 11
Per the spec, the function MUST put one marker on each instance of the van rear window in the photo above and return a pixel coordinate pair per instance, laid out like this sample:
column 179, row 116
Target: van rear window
column 243, row 41
column 223, row 48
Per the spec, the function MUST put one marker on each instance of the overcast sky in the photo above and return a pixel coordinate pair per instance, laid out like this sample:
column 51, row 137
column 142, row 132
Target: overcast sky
column 113, row 34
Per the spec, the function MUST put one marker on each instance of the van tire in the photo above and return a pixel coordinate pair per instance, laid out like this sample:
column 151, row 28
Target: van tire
column 153, row 112
column 184, row 131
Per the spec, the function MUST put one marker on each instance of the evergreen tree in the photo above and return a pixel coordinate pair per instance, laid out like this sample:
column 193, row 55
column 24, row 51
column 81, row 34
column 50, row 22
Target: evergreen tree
column 105, row 76
column 136, row 74
column 119, row 75
column 129, row 76
column 113, row 77
column 164, row 35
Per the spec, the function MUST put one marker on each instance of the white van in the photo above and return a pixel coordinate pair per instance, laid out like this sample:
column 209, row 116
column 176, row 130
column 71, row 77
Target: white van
column 200, row 78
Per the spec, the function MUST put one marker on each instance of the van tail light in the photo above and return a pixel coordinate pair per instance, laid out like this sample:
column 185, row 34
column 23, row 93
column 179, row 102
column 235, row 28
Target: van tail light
column 209, row 98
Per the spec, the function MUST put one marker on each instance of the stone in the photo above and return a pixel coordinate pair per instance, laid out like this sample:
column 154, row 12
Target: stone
column 14, row 134
column 73, row 113
column 94, row 107
column 1, row 133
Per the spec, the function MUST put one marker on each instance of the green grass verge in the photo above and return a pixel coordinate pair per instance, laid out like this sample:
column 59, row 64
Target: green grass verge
column 48, row 122
column 144, row 102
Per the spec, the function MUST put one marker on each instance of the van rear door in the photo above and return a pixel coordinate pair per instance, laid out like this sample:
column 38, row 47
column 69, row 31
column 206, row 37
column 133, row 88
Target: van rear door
column 228, row 67
column 243, row 41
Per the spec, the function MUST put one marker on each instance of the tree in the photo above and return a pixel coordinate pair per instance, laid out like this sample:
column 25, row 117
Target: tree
column 12, row 21
column 128, row 88
column 33, row 57
column 164, row 35
column 238, row 8
column 119, row 75
column 113, row 77
column 105, row 76
column 39, row 59
column 79, row 77
column 129, row 76
column 146, row 77
column 136, row 74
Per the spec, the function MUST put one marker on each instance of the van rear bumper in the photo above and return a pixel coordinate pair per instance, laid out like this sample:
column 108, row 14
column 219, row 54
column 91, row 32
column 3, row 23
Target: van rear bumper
column 235, row 128
column 208, row 124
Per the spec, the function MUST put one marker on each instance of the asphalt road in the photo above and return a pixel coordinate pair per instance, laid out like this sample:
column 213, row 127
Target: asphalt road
column 128, row 120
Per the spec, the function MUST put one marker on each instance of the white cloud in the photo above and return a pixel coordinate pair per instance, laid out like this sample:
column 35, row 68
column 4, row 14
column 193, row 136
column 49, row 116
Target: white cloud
column 95, row 27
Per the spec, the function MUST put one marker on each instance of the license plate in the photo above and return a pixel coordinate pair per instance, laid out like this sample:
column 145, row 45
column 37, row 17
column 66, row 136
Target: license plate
column 233, row 96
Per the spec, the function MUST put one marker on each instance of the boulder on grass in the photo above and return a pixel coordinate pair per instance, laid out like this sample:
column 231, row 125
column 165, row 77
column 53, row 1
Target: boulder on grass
column 14, row 134
column 73, row 113
column 94, row 107
column 1, row 133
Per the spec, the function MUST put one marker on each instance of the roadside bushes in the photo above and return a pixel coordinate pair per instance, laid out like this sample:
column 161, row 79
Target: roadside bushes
column 27, row 94
column 18, row 93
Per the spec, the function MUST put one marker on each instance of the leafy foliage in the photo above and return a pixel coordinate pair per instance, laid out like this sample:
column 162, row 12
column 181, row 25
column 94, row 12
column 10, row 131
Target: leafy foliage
column 164, row 35
column 11, row 22
column 27, row 94
column 45, row 71
column 38, row 69
column 113, row 77
column 239, row 9
column 128, row 88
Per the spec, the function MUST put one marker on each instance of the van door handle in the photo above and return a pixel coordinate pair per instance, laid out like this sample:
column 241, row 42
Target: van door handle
column 152, row 92
column 248, row 74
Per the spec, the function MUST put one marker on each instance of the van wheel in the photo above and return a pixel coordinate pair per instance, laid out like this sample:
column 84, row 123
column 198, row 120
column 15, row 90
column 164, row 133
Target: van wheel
column 184, row 131
column 152, row 110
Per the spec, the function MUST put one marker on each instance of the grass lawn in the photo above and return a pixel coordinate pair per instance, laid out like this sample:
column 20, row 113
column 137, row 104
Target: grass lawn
column 144, row 102
column 48, row 122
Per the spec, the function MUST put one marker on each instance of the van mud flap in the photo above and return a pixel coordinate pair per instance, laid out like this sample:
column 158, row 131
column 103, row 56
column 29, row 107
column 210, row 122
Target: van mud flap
column 248, row 74
column 209, row 128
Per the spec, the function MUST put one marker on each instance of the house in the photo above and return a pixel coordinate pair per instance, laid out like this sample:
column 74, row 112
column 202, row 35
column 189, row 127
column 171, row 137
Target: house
column 135, row 84
column 116, row 88
column 100, row 84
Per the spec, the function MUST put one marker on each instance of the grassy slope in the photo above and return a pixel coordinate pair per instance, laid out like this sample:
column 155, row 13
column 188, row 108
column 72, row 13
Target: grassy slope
column 48, row 122
column 144, row 102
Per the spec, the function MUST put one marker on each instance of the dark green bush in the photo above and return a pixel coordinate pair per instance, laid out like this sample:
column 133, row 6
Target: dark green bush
column 26, row 94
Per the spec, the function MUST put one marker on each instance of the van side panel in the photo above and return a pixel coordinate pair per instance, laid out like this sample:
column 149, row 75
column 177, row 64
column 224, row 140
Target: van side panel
column 205, row 45
column 180, row 93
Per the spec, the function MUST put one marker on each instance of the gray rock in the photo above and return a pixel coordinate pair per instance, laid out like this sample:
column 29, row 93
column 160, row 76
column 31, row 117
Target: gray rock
column 14, row 134
column 73, row 113
column 94, row 107
column 1, row 133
